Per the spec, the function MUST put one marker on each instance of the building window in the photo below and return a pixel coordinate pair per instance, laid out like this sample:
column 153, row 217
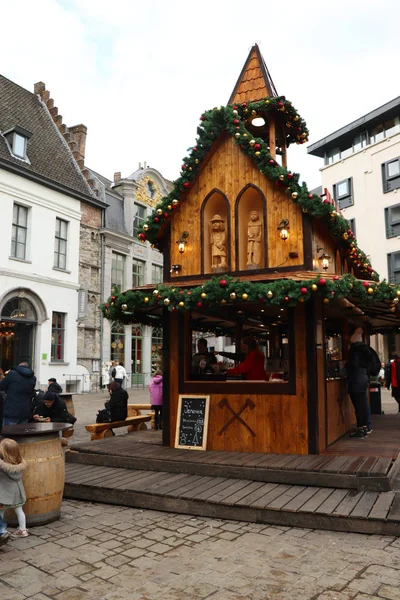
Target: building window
column 385, row 130
column 156, row 274
column 394, row 267
column 137, row 273
column 392, row 221
column 17, row 140
column 360, row 141
column 352, row 225
column 343, row 193
column 332, row 156
column 391, row 175
column 117, row 271
column 57, row 336
column 139, row 217
column 117, row 349
column 156, row 348
column 19, row 232
column 137, row 365
column 60, row 244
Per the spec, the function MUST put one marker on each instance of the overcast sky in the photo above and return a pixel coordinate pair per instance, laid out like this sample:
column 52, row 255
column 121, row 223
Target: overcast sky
column 140, row 73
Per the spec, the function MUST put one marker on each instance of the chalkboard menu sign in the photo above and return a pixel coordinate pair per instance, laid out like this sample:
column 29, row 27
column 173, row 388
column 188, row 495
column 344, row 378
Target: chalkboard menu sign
column 192, row 422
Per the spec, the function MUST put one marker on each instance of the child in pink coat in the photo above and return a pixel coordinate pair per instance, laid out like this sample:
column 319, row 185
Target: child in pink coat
column 156, row 392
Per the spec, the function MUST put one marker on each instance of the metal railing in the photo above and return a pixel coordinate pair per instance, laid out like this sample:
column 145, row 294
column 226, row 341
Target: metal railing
column 93, row 382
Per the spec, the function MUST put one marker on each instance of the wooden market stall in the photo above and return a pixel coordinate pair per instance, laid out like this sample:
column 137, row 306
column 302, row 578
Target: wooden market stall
column 248, row 250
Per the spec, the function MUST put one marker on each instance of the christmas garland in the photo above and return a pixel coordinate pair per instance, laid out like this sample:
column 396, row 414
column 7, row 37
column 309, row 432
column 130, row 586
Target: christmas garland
column 134, row 305
column 233, row 118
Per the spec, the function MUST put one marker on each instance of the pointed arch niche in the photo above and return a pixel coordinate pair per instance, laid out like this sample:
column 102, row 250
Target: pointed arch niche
column 215, row 233
column 251, row 228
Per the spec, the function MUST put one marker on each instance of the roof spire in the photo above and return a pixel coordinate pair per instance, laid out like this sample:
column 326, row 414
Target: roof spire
column 254, row 81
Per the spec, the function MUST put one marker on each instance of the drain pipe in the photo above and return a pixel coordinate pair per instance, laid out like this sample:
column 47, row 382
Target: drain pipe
column 101, row 294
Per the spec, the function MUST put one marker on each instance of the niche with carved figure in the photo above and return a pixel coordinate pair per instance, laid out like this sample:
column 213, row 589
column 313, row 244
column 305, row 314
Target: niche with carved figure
column 251, row 248
column 215, row 221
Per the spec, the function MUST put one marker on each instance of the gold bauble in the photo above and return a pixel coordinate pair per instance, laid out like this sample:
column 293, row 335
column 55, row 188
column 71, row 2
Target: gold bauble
column 253, row 112
column 197, row 161
column 345, row 236
column 301, row 299
column 295, row 195
column 314, row 287
column 145, row 227
column 146, row 300
column 392, row 309
column 167, row 301
column 282, row 177
column 326, row 300
column 267, row 101
column 181, row 304
column 155, row 293
column 169, row 207
column 269, row 294
column 305, row 211
column 203, row 295
column 175, row 202
column 159, row 211
column 124, row 307
column 296, row 118
column 398, row 292
column 396, row 300
column 245, row 135
column 223, row 301
column 257, row 153
column 237, row 135
column 252, row 142
column 232, row 296
column 370, row 290
column 190, row 168
column 245, row 296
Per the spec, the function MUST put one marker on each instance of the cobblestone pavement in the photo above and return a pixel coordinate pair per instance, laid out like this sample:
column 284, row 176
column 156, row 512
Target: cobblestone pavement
column 114, row 553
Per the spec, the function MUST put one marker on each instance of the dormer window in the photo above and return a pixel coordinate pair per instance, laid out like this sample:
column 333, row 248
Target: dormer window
column 17, row 140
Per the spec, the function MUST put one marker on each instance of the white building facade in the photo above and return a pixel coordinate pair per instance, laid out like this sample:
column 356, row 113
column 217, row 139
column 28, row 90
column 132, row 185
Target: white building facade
column 362, row 172
column 129, row 263
column 41, row 189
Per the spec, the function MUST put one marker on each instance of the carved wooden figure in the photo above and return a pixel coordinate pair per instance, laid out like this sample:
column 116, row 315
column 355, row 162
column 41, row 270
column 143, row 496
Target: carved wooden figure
column 218, row 244
column 254, row 240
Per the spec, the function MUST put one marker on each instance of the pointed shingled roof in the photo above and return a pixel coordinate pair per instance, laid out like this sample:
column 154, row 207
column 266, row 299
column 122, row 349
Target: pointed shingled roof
column 254, row 81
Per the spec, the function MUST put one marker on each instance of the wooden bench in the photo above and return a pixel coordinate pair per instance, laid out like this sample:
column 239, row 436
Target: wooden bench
column 98, row 431
column 136, row 409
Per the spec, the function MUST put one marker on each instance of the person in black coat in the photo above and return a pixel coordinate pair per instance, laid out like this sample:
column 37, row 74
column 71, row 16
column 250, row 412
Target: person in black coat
column 53, row 409
column 116, row 408
column 357, row 382
column 54, row 386
column 19, row 385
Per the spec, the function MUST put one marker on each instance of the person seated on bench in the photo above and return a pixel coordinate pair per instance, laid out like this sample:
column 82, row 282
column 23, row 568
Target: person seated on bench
column 116, row 408
column 54, row 386
column 50, row 408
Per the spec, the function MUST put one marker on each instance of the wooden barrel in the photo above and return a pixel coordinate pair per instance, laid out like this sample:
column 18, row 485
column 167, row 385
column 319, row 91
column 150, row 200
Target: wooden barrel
column 43, row 478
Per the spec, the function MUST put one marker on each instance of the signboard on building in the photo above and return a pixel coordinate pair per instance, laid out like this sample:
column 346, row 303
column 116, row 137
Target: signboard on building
column 82, row 304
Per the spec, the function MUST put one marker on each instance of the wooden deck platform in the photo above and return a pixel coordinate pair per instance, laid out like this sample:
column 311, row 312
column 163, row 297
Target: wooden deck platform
column 144, row 451
column 239, row 499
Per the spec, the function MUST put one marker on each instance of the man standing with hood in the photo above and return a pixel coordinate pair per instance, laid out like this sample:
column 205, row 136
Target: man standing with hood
column 19, row 385
column 357, row 382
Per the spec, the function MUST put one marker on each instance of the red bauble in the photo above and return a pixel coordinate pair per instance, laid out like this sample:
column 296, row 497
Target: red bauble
column 370, row 269
column 332, row 293
column 271, row 161
column 156, row 220
column 322, row 281
column 142, row 236
column 202, row 117
column 223, row 282
column 199, row 305
column 280, row 104
column 237, row 127
column 257, row 147
column 186, row 185
column 366, row 284
column 310, row 196
column 336, row 278
column 326, row 201
column 188, row 293
column 303, row 290
column 286, row 298
column 183, row 167
column 290, row 175
column 236, row 121
column 173, row 308
column 244, row 104
column 235, row 107
column 106, row 305
column 113, row 298
column 349, row 232
column 194, row 149
column 166, row 215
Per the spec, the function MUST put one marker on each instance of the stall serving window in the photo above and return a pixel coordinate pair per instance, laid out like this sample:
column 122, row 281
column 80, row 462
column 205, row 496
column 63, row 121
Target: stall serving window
column 250, row 345
column 334, row 349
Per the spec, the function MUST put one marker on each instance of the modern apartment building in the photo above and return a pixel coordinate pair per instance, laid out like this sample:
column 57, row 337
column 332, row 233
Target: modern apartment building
column 362, row 172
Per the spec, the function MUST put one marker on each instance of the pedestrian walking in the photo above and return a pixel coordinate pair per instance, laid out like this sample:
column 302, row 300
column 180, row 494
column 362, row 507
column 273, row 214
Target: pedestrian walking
column 156, row 398
column 120, row 373
column 12, row 493
column 393, row 380
column 19, row 385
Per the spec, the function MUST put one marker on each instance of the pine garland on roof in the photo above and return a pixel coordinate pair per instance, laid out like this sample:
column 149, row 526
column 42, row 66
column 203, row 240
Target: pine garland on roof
column 233, row 119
